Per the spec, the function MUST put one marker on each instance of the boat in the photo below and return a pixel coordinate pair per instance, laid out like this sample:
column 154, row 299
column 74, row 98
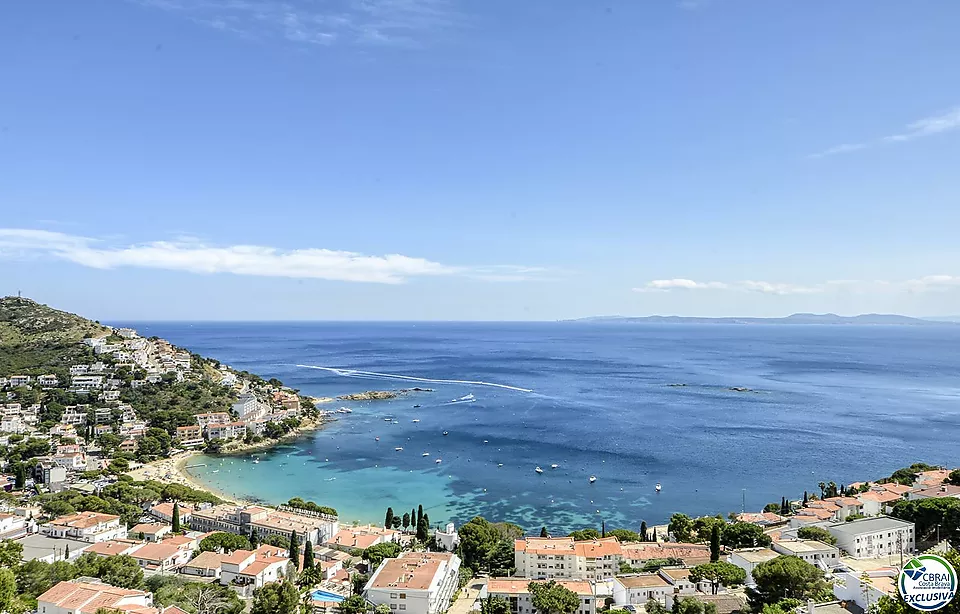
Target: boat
column 485, row 441
column 377, row 438
column 388, row 419
column 425, row 454
column 499, row 464
column 658, row 486
column 593, row 479
column 438, row 461
column 554, row 466
column 398, row 449
column 538, row 469
column 416, row 406
column 415, row 420
column 396, row 422
column 445, row 433
column 256, row 460
column 215, row 471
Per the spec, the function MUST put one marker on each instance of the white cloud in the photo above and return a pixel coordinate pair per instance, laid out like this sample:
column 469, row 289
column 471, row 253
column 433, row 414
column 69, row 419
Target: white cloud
column 932, row 283
column 401, row 22
column 928, row 126
column 665, row 285
column 194, row 256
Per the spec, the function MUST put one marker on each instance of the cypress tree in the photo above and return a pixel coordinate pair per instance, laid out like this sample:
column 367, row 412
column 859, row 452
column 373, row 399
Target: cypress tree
column 254, row 537
column 405, row 521
column 66, row 552
column 419, row 514
column 603, row 528
column 413, row 519
column 543, row 532
column 176, row 517
column 294, row 548
column 20, row 476
column 804, row 498
column 655, row 534
column 643, row 531
column 307, row 556
column 422, row 529
column 715, row 544
column 426, row 522
column 388, row 520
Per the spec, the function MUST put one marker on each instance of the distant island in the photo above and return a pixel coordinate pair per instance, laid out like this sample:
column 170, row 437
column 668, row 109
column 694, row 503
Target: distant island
column 868, row 319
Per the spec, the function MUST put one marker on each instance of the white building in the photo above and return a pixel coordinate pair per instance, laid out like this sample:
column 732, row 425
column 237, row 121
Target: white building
column 12, row 424
column 12, row 526
column 748, row 558
column 814, row 552
column 85, row 526
column 48, row 380
column 253, row 568
column 247, row 407
column 415, row 582
column 517, row 593
column 86, row 382
column 865, row 588
column 869, row 538
column 19, row 380
column 563, row 558
column 638, row 589
column 243, row 519
column 448, row 539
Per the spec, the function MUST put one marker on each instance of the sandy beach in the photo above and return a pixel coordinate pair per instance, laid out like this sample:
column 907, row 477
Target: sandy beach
column 173, row 470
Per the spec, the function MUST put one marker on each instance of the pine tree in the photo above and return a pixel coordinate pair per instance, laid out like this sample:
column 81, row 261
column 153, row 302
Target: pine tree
column 423, row 529
column 294, row 548
column 643, row 531
column 419, row 514
column 543, row 532
column 715, row 544
column 406, row 521
column 176, row 516
column 20, row 476
column 388, row 520
column 307, row 556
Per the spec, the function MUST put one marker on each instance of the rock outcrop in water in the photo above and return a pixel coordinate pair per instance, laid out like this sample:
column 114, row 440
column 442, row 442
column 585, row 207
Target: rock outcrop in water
column 380, row 395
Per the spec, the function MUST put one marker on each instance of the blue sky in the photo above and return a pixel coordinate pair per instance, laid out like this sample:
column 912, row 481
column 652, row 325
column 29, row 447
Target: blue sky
column 445, row 159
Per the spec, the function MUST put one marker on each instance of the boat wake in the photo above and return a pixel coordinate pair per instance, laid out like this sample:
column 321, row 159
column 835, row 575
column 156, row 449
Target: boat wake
column 410, row 378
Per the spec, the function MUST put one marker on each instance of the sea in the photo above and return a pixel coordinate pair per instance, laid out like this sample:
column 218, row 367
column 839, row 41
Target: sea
column 725, row 417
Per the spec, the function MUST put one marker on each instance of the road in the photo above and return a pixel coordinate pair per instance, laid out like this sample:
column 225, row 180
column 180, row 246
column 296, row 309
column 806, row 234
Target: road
column 468, row 597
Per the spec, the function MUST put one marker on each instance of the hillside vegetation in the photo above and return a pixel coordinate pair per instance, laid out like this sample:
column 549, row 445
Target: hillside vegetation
column 37, row 339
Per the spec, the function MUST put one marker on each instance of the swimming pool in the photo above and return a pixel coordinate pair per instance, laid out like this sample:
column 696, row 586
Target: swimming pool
column 326, row 596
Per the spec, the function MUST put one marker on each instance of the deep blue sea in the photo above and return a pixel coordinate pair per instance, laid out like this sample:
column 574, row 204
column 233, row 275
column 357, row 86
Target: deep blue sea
column 840, row 403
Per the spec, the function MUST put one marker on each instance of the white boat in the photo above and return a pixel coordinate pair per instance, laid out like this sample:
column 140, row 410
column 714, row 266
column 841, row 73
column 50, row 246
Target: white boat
column 396, row 422
column 554, row 466
column 538, row 469
column 425, row 454
column 388, row 419
column 256, row 460
column 398, row 449
column 593, row 479
column 215, row 471
column 445, row 433
column 499, row 464
column 438, row 461
column 658, row 486
column 377, row 438
column 415, row 420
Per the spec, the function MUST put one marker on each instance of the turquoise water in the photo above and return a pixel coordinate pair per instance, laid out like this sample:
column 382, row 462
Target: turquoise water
column 840, row 403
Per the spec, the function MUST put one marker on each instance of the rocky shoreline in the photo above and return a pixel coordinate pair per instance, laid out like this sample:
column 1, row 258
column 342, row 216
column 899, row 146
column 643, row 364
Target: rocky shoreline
column 380, row 395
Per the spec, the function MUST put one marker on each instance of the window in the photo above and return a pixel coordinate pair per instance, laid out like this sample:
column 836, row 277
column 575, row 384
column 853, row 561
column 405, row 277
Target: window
column 403, row 606
column 393, row 606
column 393, row 595
column 403, row 595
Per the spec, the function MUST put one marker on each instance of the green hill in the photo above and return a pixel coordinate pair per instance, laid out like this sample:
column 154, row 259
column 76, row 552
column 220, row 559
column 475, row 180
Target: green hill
column 37, row 339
